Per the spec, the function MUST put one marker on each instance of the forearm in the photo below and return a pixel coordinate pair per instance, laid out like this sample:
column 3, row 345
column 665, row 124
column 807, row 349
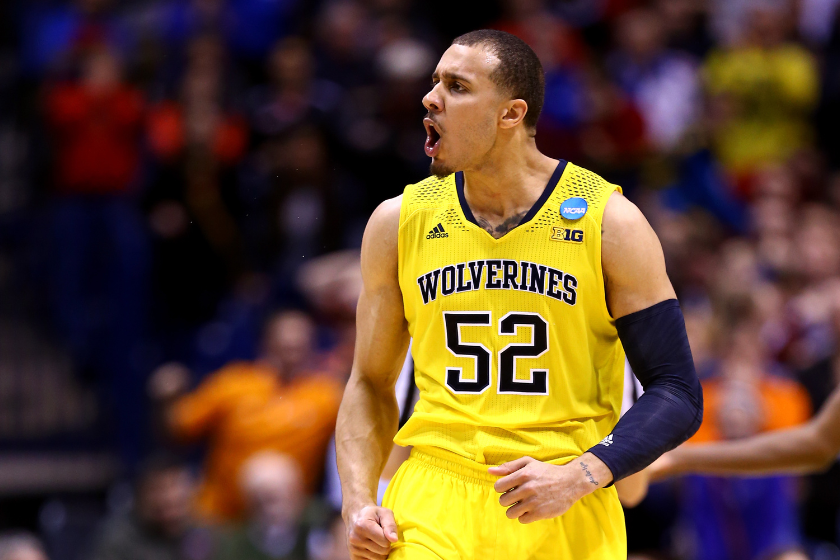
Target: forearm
column 796, row 450
column 671, row 409
column 367, row 422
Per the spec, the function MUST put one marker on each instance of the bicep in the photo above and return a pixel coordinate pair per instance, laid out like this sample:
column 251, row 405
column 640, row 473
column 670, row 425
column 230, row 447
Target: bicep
column 381, row 329
column 632, row 260
column 381, row 336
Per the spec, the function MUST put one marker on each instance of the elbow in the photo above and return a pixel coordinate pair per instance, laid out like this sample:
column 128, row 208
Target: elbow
column 696, row 400
column 698, row 420
column 816, row 448
column 819, row 461
column 824, row 454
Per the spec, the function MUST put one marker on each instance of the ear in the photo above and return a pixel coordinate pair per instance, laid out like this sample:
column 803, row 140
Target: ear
column 513, row 112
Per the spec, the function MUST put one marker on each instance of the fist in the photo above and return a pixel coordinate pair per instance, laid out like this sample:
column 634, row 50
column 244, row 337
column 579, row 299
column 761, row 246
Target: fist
column 370, row 532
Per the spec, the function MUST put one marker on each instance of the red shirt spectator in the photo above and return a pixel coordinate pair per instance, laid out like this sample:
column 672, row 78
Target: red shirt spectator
column 96, row 126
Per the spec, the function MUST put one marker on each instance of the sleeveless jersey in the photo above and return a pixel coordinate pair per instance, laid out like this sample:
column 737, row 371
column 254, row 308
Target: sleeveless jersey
column 514, row 350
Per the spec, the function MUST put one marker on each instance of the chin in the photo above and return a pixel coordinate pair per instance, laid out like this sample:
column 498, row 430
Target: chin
column 440, row 169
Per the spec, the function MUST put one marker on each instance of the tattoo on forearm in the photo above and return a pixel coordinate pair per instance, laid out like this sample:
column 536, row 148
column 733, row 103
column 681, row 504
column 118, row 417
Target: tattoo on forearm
column 501, row 229
column 589, row 476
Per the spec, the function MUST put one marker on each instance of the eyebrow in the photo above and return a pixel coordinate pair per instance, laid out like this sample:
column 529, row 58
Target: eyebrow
column 449, row 76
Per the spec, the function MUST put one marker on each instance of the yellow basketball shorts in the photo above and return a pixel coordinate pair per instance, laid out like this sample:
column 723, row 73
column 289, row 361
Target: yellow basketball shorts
column 446, row 509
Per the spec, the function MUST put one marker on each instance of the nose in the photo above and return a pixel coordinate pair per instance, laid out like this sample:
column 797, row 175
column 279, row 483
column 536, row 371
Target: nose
column 432, row 101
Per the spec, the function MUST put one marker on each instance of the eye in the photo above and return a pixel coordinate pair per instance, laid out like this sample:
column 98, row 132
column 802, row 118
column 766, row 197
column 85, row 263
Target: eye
column 456, row 86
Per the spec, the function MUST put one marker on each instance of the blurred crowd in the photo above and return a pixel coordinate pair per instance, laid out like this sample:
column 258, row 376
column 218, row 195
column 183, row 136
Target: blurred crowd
column 183, row 189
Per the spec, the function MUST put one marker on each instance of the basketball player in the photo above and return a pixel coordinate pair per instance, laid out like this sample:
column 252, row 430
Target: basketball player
column 523, row 281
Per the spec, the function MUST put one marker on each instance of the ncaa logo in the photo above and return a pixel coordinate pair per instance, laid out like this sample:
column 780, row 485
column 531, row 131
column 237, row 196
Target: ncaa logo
column 573, row 208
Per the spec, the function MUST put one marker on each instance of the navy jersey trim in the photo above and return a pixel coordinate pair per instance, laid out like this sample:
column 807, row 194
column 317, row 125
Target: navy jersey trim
column 549, row 188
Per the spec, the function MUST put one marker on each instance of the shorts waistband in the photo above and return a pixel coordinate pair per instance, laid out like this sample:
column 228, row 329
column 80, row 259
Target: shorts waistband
column 454, row 465
column 461, row 467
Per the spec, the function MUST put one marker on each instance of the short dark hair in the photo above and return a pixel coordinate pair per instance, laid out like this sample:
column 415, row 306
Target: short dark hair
column 519, row 72
column 158, row 462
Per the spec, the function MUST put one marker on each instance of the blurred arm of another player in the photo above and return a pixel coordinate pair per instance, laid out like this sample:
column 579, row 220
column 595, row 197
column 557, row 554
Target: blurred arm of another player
column 810, row 447
column 652, row 330
column 633, row 489
column 369, row 414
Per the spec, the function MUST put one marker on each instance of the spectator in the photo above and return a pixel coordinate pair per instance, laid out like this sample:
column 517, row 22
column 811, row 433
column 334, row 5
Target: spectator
column 281, row 402
column 99, row 243
column 54, row 33
column 331, row 544
column 817, row 266
column 332, row 284
column 160, row 526
column 293, row 96
column 663, row 84
column 197, row 143
column 613, row 132
column 96, row 128
column 555, row 42
column 21, row 546
column 761, row 93
column 747, row 518
column 307, row 203
column 276, row 527
column 345, row 40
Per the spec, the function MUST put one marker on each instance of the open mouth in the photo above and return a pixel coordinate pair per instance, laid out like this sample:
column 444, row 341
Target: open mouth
column 432, row 138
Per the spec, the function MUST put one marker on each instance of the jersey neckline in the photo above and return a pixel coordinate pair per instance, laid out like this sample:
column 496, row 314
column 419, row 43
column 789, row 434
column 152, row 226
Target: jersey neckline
column 538, row 205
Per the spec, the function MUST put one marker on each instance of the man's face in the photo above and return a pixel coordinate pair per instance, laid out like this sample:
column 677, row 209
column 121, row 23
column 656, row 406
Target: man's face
column 289, row 341
column 464, row 108
column 164, row 500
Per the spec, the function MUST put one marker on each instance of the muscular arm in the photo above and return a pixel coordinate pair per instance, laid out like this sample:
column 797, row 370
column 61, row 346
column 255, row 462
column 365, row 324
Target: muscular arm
column 807, row 448
column 651, row 328
column 665, row 416
column 367, row 419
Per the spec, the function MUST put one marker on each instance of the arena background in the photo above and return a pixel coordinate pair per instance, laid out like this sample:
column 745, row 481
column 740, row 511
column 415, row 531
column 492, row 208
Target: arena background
column 174, row 172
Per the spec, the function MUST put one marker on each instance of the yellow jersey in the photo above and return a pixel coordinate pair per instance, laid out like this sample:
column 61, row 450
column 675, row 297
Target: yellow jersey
column 515, row 352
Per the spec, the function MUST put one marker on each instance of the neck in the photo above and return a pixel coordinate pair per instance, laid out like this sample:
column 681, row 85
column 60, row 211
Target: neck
column 504, row 187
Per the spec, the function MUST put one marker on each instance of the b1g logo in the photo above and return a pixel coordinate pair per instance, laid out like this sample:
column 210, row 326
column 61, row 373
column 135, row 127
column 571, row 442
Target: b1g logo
column 566, row 234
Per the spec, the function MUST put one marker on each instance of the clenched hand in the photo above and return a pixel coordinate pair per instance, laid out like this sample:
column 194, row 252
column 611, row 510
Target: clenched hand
column 370, row 533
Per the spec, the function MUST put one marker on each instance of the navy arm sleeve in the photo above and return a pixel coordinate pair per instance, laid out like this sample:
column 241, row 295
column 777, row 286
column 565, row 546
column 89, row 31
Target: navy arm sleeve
column 671, row 409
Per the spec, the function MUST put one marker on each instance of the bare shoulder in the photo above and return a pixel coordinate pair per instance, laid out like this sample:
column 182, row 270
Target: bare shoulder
column 632, row 259
column 379, row 245
column 386, row 218
column 622, row 215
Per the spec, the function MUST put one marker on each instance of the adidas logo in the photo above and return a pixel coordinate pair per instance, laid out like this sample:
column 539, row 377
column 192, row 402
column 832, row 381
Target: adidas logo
column 437, row 232
column 607, row 441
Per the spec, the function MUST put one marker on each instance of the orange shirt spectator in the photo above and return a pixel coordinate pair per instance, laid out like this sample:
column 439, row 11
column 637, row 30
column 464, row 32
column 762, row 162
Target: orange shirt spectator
column 283, row 402
column 246, row 408
column 777, row 403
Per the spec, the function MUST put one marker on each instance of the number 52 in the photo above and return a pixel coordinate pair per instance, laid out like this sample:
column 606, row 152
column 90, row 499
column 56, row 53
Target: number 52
column 508, row 325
